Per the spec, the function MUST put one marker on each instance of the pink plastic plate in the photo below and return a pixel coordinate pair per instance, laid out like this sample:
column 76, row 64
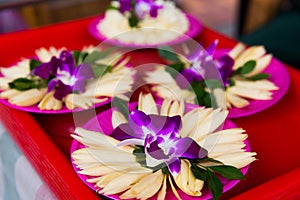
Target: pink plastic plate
column 278, row 75
column 102, row 122
column 194, row 29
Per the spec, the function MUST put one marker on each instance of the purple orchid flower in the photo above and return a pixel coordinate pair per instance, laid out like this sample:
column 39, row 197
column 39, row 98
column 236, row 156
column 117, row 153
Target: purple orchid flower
column 161, row 140
column 198, row 60
column 143, row 7
column 63, row 75
column 125, row 6
column 225, row 64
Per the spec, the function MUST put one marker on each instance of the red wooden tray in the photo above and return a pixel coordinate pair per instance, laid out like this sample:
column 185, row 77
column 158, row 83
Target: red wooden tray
column 273, row 133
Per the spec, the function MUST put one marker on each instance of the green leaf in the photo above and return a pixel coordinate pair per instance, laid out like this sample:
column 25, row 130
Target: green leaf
column 248, row 67
column 113, row 8
column 231, row 82
column 100, row 69
column 214, row 185
column 199, row 173
column 133, row 20
column 208, row 100
column 198, row 89
column 228, row 172
column 140, row 156
column 165, row 170
column 178, row 66
column 214, row 83
column 174, row 69
column 79, row 56
column 167, row 53
column 34, row 63
column 260, row 76
column 23, row 84
column 96, row 55
column 207, row 160
column 122, row 106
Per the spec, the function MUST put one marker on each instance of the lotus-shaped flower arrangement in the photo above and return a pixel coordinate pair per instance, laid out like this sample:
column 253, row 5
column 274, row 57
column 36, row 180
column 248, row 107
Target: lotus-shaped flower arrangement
column 163, row 143
column 143, row 21
column 56, row 78
column 240, row 71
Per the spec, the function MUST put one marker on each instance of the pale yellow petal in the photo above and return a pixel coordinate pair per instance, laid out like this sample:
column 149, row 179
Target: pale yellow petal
column 142, row 189
column 50, row 103
column 261, row 65
column 250, row 93
column 117, row 119
column 186, row 180
column 237, row 50
column 235, row 100
column 220, row 97
column 4, row 83
column 162, row 192
column 259, row 84
column 7, row 94
column 238, row 160
column 251, row 53
column 147, row 104
column 123, row 182
column 28, row 97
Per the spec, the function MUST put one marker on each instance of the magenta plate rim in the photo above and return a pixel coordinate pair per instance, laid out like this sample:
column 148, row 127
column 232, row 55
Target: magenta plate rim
column 105, row 117
column 279, row 76
column 195, row 27
column 36, row 109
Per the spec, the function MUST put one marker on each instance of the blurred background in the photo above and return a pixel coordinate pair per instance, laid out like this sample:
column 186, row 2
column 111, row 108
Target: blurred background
column 273, row 23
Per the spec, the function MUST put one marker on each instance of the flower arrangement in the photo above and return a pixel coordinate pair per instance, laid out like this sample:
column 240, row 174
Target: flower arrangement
column 161, row 144
column 241, row 77
column 147, row 21
column 56, row 78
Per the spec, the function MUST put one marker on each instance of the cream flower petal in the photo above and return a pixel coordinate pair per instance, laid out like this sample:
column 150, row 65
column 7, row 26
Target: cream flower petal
column 7, row 94
column 162, row 192
column 166, row 86
column 73, row 101
column 227, row 136
column 251, row 53
column 122, row 183
column 187, row 182
column 106, row 179
column 238, row 159
column 147, row 104
column 208, row 123
column 261, row 64
column 142, row 189
column 260, row 84
column 118, row 82
column 28, row 97
column 4, row 83
column 188, row 120
column 94, row 139
column 220, row 96
column 21, row 69
column 50, row 103
column 96, row 171
column 45, row 55
column 174, row 190
column 117, row 119
column 235, row 100
column 172, row 108
column 237, row 50
column 250, row 93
